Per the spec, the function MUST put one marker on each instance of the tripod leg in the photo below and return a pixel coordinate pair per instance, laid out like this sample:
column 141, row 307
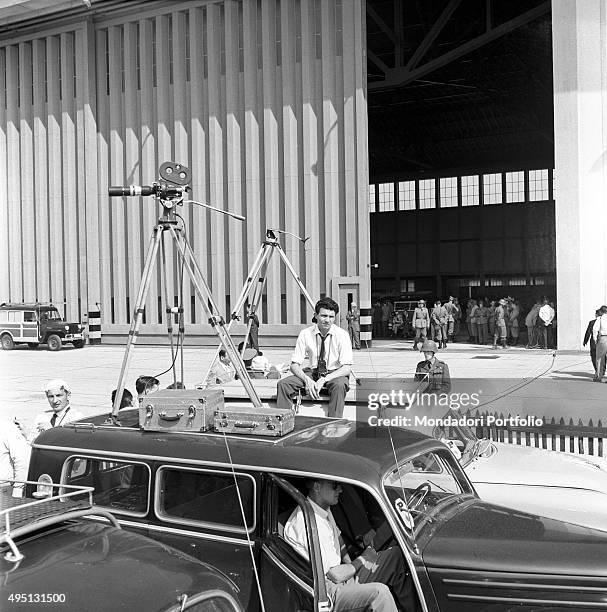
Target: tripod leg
column 257, row 296
column 144, row 287
column 294, row 274
column 204, row 293
column 168, row 302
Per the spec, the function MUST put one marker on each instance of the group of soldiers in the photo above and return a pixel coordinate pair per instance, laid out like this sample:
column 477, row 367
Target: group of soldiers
column 487, row 321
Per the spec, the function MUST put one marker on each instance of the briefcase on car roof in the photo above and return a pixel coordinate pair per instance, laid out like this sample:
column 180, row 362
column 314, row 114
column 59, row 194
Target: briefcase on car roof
column 271, row 422
column 180, row 409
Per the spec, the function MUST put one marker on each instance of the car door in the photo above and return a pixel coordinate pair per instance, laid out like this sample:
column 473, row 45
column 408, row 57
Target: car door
column 289, row 583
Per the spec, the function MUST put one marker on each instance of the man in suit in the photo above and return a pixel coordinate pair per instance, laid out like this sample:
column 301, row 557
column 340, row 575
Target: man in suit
column 589, row 338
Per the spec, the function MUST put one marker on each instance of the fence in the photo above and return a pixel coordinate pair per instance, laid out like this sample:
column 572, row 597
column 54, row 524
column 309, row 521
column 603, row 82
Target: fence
column 580, row 438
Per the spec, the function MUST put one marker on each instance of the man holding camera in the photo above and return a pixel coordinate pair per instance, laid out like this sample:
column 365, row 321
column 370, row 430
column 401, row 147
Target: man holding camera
column 329, row 352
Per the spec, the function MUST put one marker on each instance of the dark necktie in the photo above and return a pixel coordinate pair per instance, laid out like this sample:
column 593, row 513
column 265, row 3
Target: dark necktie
column 321, row 366
column 54, row 419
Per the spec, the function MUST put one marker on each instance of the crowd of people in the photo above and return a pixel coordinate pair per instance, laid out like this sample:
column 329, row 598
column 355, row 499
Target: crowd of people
column 487, row 321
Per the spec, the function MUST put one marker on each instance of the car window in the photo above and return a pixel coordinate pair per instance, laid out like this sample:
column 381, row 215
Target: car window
column 425, row 482
column 208, row 497
column 3, row 316
column 121, row 486
column 29, row 316
column 15, row 316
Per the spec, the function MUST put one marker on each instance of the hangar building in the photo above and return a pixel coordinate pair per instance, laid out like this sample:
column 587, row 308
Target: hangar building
column 435, row 147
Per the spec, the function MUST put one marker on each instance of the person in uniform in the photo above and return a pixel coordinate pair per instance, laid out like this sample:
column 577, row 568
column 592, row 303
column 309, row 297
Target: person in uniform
column 439, row 324
column 433, row 370
column 61, row 412
column 421, row 322
column 500, row 324
column 353, row 318
column 451, row 309
column 482, row 318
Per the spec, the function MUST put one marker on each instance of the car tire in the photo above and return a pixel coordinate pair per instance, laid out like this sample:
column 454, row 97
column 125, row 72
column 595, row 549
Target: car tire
column 78, row 343
column 8, row 344
column 33, row 345
column 53, row 342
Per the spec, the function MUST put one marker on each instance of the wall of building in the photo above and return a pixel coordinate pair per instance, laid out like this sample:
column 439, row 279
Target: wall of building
column 580, row 141
column 265, row 102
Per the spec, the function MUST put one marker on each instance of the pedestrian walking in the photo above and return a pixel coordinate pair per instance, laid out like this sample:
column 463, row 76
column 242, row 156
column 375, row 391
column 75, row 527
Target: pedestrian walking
column 588, row 337
column 599, row 333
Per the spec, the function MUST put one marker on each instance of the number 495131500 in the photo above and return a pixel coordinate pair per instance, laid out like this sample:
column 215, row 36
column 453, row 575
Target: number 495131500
column 33, row 598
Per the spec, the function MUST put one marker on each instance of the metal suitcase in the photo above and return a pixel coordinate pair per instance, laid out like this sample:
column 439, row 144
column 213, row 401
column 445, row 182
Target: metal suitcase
column 180, row 409
column 271, row 422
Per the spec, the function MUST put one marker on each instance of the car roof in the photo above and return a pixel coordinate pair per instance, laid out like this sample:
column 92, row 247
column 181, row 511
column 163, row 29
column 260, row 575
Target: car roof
column 334, row 447
column 101, row 567
column 27, row 306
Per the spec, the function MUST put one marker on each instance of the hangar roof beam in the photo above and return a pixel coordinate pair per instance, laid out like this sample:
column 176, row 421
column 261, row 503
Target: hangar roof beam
column 398, row 77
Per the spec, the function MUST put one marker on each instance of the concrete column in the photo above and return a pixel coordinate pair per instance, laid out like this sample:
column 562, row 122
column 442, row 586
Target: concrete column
column 579, row 35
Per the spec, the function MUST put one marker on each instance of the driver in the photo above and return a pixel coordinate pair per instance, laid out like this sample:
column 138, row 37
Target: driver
column 373, row 580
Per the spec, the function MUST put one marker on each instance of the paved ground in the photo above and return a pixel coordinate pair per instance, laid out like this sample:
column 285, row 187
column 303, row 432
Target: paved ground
column 515, row 381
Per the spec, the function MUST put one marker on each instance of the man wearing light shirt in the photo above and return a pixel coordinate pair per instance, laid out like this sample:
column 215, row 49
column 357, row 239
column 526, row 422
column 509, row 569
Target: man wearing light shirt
column 328, row 350
column 61, row 413
column 599, row 333
column 14, row 458
column 372, row 581
column 546, row 314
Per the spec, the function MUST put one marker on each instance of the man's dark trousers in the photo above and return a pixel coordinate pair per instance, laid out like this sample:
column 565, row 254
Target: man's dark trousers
column 337, row 389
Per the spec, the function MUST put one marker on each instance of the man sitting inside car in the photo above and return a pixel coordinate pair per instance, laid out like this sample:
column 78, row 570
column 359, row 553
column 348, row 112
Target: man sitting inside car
column 373, row 580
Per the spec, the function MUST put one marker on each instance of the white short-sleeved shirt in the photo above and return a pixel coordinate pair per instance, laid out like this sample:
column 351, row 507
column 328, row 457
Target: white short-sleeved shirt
column 338, row 347
column 14, row 456
column 328, row 535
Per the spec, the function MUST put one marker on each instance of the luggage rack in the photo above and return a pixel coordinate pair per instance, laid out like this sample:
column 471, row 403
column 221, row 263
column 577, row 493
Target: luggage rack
column 20, row 516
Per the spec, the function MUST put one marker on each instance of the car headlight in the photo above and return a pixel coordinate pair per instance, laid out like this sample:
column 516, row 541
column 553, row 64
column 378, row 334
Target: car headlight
column 44, row 488
column 67, row 328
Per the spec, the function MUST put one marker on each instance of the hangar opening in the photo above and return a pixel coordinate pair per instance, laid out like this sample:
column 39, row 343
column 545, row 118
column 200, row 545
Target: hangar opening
column 461, row 149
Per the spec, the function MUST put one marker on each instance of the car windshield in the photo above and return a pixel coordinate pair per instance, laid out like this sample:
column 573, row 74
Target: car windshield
column 425, row 483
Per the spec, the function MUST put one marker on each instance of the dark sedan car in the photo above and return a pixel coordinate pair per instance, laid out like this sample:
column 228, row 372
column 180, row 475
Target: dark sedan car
column 51, row 556
column 226, row 499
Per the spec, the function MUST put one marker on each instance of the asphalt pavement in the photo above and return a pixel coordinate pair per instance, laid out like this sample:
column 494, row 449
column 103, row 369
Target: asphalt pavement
column 511, row 381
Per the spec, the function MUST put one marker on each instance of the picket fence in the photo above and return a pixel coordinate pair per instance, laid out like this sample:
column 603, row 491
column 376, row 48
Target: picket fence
column 570, row 437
